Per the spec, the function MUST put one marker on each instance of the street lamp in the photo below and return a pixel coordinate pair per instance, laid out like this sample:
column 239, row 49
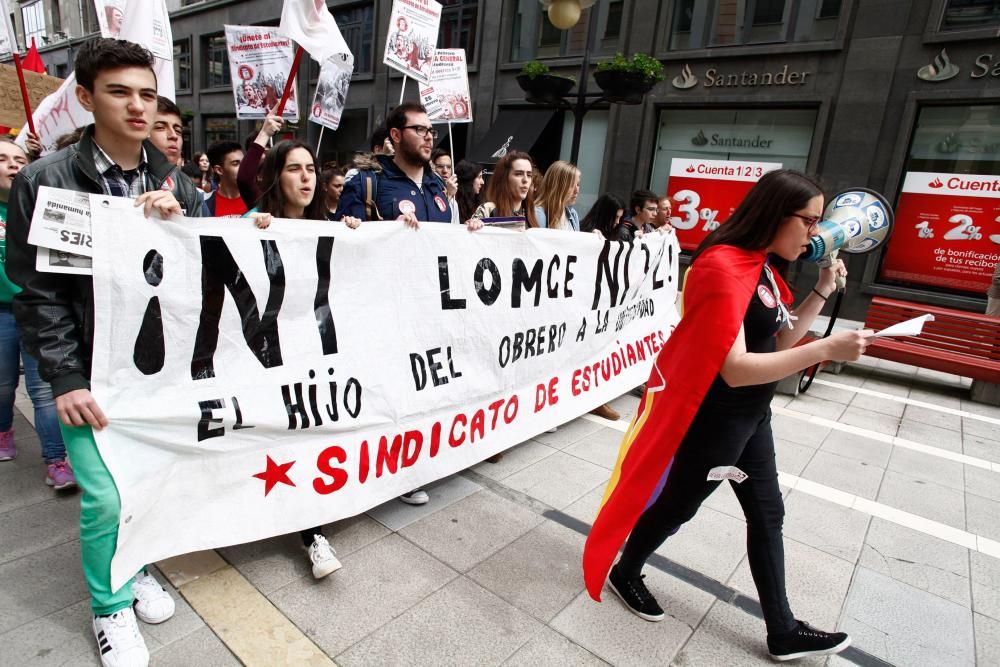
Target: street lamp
column 564, row 14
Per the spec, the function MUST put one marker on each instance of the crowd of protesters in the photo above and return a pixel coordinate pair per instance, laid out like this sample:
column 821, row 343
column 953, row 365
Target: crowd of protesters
column 134, row 149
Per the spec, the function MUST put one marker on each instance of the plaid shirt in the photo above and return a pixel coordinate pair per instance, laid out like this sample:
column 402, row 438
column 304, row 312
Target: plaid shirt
column 118, row 182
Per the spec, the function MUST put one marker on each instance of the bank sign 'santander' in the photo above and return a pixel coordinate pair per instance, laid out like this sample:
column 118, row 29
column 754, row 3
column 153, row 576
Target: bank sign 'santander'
column 260, row 383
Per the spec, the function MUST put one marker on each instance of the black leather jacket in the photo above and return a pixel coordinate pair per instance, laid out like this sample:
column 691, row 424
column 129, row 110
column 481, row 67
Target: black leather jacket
column 55, row 311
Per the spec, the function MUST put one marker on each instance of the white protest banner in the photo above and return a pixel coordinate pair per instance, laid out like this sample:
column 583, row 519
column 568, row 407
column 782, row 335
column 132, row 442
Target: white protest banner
column 412, row 38
column 331, row 91
column 263, row 382
column 8, row 37
column 446, row 97
column 259, row 62
column 147, row 24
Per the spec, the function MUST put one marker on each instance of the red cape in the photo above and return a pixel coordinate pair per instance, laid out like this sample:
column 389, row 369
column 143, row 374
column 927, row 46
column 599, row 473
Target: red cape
column 717, row 291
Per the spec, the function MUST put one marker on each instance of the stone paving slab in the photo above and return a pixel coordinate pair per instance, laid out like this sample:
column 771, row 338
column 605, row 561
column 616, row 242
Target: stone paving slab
column 479, row 576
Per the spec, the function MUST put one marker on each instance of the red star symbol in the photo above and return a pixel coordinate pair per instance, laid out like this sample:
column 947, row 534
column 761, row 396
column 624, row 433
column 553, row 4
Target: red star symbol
column 275, row 474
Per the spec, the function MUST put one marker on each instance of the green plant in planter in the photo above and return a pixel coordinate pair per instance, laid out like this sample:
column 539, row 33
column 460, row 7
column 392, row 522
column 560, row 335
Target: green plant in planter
column 534, row 69
column 640, row 65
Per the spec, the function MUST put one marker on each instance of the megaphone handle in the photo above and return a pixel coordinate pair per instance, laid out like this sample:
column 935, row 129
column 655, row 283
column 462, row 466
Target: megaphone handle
column 841, row 280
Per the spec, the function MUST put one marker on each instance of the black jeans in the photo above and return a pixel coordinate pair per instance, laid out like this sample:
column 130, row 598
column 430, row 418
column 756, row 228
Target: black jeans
column 307, row 535
column 724, row 437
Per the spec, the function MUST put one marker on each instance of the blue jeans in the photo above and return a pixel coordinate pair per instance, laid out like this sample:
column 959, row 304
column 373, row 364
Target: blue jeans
column 46, row 419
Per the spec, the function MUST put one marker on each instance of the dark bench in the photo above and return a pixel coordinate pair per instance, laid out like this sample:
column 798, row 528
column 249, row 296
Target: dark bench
column 957, row 342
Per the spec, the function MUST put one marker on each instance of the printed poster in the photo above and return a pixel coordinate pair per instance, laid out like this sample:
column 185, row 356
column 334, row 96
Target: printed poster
column 446, row 97
column 947, row 232
column 706, row 192
column 331, row 90
column 259, row 62
column 412, row 38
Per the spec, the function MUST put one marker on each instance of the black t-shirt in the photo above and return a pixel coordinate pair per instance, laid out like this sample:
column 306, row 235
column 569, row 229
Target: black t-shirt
column 761, row 323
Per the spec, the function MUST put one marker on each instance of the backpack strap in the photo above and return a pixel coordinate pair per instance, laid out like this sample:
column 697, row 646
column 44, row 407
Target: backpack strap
column 371, row 192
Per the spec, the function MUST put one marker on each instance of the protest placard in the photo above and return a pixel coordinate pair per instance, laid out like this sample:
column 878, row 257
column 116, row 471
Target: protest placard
column 39, row 87
column 331, row 90
column 268, row 382
column 412, row 38
column 446, row 97
column 259, row 62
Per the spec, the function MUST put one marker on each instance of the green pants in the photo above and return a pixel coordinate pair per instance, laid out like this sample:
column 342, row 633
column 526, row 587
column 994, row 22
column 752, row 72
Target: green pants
column 100, row 509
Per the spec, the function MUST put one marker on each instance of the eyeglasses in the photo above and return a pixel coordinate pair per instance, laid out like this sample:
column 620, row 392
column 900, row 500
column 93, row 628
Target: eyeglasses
column 422, row 130
column 810, row 220
column 651, row 209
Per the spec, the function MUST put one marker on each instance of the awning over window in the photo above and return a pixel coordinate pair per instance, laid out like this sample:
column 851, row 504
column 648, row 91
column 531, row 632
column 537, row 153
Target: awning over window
column 514, row 129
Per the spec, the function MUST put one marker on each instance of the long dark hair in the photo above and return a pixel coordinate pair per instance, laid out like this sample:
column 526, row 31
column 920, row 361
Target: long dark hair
column 755, row 222
column 602, row 215
column 272, row 199
column 498, row 189
column 467, row 198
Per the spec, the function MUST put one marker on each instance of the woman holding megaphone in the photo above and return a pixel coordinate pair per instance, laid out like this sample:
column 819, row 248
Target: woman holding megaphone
column 709, row 398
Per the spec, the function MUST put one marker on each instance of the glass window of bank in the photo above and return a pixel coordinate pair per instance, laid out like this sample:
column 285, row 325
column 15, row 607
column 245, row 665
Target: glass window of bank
column 533, row 37
column 697, row 24
column 957, row 140
column 754, row 135
column 970, row 14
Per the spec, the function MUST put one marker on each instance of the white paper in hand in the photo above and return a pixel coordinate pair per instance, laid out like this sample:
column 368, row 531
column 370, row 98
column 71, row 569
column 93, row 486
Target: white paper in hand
column 908, row 328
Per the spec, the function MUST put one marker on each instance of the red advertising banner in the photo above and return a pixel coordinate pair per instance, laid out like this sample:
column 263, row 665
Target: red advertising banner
column 947, row 231
column 706, row 192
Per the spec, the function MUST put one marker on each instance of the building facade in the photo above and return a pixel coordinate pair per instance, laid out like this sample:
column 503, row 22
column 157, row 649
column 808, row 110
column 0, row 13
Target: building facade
column 892, row 95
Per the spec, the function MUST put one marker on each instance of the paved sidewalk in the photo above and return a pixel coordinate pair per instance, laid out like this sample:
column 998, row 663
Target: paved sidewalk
column 892, row 534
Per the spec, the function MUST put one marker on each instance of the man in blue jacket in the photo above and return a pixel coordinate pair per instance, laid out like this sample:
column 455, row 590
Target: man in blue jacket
column 407, row 188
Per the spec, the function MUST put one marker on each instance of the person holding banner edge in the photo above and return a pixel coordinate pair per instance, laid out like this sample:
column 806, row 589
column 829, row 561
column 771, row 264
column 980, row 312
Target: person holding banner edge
column 116, row 82
column 708, row 407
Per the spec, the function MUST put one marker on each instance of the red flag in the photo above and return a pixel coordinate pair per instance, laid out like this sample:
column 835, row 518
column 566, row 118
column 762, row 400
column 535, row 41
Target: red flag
column 717, row 290
column 32, row 61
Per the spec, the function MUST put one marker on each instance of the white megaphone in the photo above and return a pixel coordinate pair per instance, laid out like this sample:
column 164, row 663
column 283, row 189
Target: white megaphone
column 855, row 221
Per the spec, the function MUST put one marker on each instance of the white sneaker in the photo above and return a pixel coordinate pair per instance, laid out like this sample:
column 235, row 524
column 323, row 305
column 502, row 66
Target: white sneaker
column 119, row 641
column 323, row 557
column 152, row 604
column 418, row 497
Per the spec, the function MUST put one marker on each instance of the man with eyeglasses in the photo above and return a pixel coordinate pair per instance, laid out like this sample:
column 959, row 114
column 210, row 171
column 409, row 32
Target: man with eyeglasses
column 407, row 188
column 662, row 220
column 643, row 210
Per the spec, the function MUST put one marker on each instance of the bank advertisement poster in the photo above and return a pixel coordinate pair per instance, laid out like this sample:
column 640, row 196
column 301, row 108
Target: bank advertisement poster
column 259, row 62
column 446, row 97
column 413, row 34
column 705, row 193
column 947, row 232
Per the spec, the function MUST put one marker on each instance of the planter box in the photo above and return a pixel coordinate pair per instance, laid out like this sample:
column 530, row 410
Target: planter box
column 545, row 89
column 623, row 87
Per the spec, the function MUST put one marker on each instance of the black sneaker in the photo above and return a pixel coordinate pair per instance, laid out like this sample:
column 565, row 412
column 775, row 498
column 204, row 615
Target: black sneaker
column 635, row 595
column 806, row 640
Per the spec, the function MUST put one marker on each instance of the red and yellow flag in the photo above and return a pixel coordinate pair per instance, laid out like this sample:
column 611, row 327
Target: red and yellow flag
column 717, row 291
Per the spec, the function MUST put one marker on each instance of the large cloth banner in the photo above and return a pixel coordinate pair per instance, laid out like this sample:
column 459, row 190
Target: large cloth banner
column 259, row 62
column 412, row 37
column 260, row 383
column 8, row 37
column 447, row 97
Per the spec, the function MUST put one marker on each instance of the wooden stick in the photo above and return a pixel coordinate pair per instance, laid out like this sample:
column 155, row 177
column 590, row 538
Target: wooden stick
column 24, row 93
column 402, row 89
column 290, row 82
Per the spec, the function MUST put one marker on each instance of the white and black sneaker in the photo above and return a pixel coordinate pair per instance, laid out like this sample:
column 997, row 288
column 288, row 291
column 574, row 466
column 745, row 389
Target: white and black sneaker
column 152, row 603
column 635, row 595
column 415, row 497
column 322, row 557
column 119, row 641
column 804, row 641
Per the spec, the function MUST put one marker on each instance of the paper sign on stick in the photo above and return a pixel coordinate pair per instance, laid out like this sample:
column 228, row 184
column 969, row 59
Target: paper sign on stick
column 39, row 86
column 412, row 38
column 331, row 90
column 446, row 97
column 259, row 62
